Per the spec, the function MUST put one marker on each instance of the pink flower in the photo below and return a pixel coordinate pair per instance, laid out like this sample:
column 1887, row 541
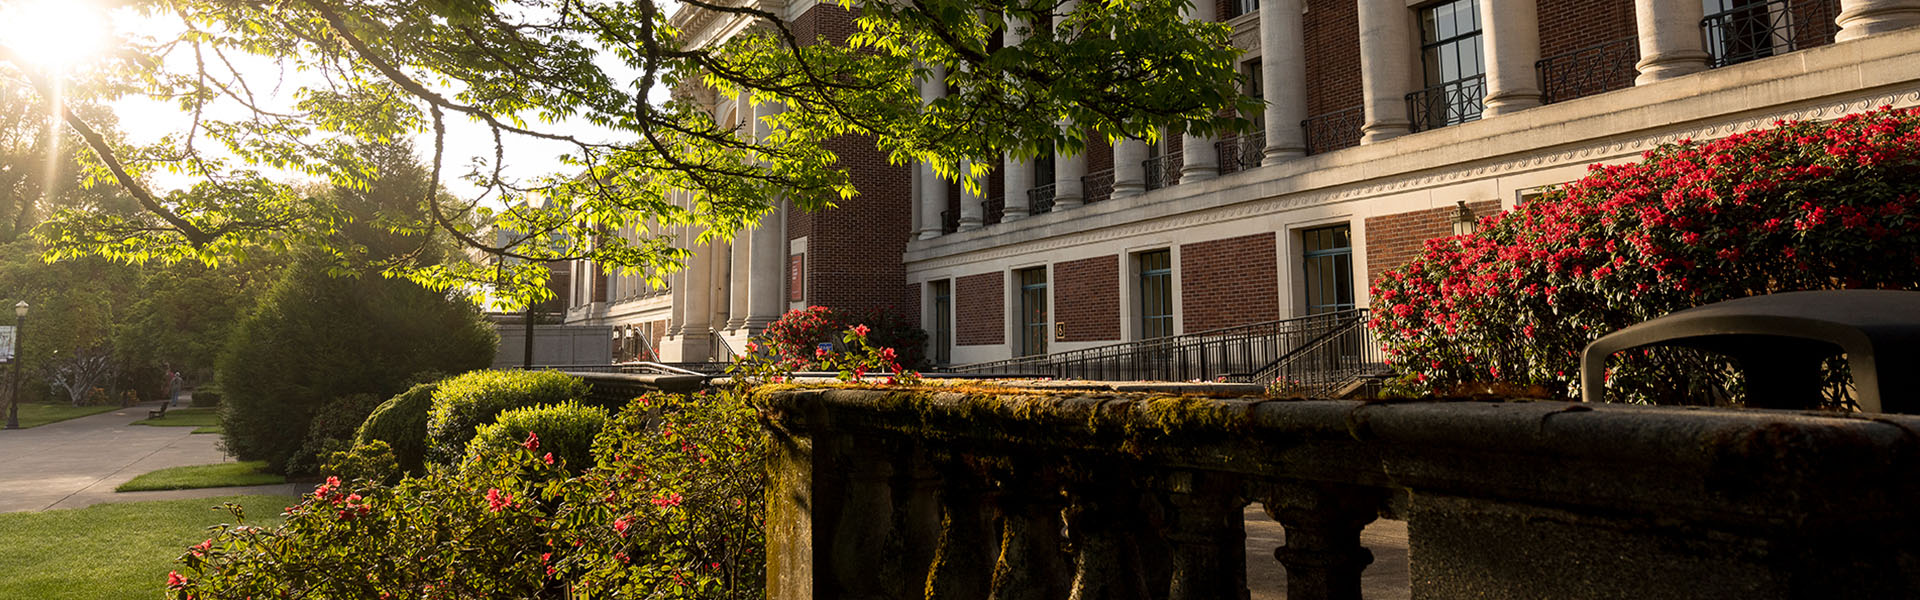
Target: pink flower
column 673, row 499
column 174, row 579
column 548, row 458
column 533, row 441
column 860, row 330
column 497, row 501
column 620, row 525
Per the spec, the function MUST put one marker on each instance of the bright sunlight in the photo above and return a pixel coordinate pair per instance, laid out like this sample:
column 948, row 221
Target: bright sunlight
column 53, row 34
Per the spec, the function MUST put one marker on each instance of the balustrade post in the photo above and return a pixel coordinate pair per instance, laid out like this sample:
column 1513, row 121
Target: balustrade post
column 1032, row 564
column 963, row 564
column 1209, row 537
column 1323, row 555
column 1106, row 564
column 864, row 540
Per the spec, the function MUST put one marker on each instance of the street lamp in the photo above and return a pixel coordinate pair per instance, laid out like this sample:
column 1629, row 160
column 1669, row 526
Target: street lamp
column 13, row 401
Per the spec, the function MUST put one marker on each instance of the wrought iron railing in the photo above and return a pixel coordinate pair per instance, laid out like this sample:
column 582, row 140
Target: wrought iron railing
column 1164, row 170
column 1240, row 153
column 1815, row 22
column 1450, row 103
column 1748, row 31
column 1040, row 200
column 1335, row 130
column 1347, row 352
column 1097, row 185
column 1595, row 69
column 1248, row 353
column 994, row 210
column 949, row 221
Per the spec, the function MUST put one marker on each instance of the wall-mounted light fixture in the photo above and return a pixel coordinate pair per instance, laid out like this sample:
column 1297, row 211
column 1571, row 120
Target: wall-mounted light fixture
column 1462, row 218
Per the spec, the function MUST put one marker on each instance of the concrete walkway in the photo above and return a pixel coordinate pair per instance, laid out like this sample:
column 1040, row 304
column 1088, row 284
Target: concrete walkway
column 1386, row 579
column 78, row 462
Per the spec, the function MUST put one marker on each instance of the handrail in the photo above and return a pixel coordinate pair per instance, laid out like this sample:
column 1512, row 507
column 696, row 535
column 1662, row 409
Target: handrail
column 1328, row 362
column 1208, row 355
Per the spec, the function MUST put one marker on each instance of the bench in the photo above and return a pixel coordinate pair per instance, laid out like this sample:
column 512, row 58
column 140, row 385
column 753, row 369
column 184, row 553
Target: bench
column 158, row 412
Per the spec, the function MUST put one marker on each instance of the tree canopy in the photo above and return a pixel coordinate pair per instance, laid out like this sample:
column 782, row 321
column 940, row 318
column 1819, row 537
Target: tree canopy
column 587, row 74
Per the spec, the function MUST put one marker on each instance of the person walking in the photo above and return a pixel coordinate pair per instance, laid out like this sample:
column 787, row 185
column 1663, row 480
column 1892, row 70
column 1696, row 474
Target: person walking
column 174, row 383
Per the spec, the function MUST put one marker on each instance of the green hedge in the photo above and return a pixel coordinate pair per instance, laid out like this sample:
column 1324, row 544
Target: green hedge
column 565, row 431
column 401, row 422
column 464, row 403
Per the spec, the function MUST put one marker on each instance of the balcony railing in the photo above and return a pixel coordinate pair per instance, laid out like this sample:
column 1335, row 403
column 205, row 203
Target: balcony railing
column 996, row 210
column 1240, row 153
column 1450, row 103
column 1164, row 170
column 987, row 492
column 1040, row 200
column 1595, row 69
column 1097, row 185
column 1334, row 130
column 1748, row 31
column 949, row 221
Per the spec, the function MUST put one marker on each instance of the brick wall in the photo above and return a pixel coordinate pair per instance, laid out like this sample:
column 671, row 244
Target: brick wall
column 980, row 309
column 1392, row 240
column 1229, row 282
column 1332, row 30
column 1814, row 22
column 854, row 249
column 1086, row 299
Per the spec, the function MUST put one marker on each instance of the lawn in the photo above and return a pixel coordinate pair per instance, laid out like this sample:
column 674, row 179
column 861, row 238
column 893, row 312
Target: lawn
column 111, row 550
column 34, row 414
column 203, row 418
column 203, row 476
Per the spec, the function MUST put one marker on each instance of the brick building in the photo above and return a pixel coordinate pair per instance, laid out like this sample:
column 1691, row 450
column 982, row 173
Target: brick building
column 1388, row 122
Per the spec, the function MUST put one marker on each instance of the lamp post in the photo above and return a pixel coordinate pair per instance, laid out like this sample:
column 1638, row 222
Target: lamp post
column 13, row 400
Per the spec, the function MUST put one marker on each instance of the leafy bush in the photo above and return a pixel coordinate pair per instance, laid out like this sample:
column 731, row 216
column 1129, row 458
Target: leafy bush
column 795, row 338
column 331, row 430
column 464, row 403
column 371, row 461
column 563, row 432
column 401, row 423
column 205, row 398
column 1799, row 206
column 672, row 509
column 316, row 337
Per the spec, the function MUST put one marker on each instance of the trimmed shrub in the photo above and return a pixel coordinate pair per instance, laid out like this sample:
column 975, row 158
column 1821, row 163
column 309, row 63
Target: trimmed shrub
column 794, row 339
column 1800, row 206
column 205, row 398
column 331, row 431
column 401, row 423
column 464, row 403
column 563, row 431
column 315, row 337
column 372, row 461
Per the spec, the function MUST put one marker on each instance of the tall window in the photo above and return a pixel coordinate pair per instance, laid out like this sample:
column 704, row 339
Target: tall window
column 1156, row 294
column 943, row 321
column 1454, row 68
column 1246, row 7
column 1329, row 269
column 1033, row 310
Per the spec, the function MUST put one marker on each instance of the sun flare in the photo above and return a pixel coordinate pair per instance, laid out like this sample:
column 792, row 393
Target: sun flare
column 53, row 34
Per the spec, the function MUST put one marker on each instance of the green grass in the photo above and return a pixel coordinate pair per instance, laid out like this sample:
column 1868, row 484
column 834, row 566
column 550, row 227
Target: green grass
column 203, row 476
column 111, row 551
column 185, row 417
column 210, row 429
column 34, row 414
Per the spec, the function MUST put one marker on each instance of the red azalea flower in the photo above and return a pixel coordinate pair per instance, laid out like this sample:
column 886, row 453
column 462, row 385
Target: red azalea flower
column 548, row 458
column 498, row 501
column 533, row 441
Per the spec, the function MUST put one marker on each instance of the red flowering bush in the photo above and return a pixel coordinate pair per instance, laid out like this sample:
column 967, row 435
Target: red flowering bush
column 1799, row 206
column 671, row 507
column 795, row 339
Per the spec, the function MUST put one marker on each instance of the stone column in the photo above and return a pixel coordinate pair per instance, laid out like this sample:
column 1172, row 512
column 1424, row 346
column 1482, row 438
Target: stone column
column 1201, row 160
column 1386, row 68
column 1068, row 191
column 1861, row 18
column 1511, row 39
column 739, row 251
column 696, row 331
column 1669, row 39
column 767, row 262
column 933, row 190
column 971, row 210
column 1283, row 78
column 1129, row 168
column 1018, row 173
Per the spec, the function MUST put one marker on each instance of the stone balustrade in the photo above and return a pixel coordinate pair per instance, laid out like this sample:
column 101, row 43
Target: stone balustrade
column 981, row 492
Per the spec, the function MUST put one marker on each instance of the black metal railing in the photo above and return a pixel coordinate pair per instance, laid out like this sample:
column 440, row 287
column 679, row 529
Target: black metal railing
column 1335, row 130
column 1248, row 353
column 1595, row 69
column 949, row 221
column 1240, row 153
column 1346, row 353
column 1815, row 22
column 1749, row 31
column 1040, row 200
column 1164, row 170
column 1450, row 103
column 995, row 210
column 1097, row 186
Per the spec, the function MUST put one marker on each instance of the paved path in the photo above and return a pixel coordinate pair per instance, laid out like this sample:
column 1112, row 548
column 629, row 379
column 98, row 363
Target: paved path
column 78, row 462
column 1385, row 579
